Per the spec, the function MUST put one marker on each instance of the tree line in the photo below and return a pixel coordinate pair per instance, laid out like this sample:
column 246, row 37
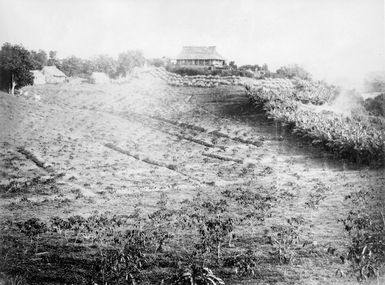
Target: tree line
column 16, row 63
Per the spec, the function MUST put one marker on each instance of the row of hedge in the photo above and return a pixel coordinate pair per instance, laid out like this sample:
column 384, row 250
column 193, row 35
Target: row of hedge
column 187, row 71
column 196, row 80
column 347, row 137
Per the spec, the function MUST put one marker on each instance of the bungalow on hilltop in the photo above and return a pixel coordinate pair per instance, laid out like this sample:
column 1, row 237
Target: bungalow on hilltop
column 202, row 57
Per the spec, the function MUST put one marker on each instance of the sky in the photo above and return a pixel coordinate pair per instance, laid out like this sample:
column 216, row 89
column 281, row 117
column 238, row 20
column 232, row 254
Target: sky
column 333, row 39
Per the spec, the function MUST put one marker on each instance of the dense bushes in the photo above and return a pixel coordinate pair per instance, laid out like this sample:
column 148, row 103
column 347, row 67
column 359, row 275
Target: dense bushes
column 366, row 229
column 127, row 61
column 353, row 138
column 376, row 106
column 251, row 71
column 15, row 66
column 174, row 79
column 188, row 71
column 185, row 71
column 291, row 71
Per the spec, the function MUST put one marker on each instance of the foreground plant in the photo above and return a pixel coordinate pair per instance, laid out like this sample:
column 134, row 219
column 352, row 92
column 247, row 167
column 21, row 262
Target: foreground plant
column 367, row 232
column 243, row 264
column 197, row 276
column 212, row 223
column 286, row 240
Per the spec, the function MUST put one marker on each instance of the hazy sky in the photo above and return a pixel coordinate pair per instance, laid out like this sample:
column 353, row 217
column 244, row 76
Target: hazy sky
column 331, row 38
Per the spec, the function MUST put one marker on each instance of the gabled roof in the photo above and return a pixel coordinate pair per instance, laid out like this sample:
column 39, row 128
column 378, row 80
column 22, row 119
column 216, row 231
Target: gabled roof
column 52, row 71
column 202, row 52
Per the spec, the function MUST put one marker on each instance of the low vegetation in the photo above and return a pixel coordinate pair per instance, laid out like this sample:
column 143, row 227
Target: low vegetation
column 186, row 71
column 166, row 245
column 366, row 228
column 376, row 106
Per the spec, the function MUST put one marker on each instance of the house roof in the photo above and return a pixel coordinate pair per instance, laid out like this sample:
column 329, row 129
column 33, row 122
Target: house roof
column 52, row 71
column 199, row 52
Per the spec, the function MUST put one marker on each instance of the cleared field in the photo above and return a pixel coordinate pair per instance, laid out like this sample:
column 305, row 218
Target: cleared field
column 196, row 176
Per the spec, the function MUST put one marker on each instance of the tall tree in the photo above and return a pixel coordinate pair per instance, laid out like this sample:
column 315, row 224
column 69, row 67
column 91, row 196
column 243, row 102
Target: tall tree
column 39, row 59
column 128, row 60
column 88, row 66
column 106, row 64
column 53, row 60
column 72, row 66
column 15, row 66
column 233, row 65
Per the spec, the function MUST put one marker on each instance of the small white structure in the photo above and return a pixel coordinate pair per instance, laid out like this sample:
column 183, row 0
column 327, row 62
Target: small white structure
column 38, row 77
column 53, row 75
column 99, row 78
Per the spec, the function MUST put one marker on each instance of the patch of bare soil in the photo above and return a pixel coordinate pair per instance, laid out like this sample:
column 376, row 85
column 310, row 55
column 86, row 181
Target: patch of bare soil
column 135, row 182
